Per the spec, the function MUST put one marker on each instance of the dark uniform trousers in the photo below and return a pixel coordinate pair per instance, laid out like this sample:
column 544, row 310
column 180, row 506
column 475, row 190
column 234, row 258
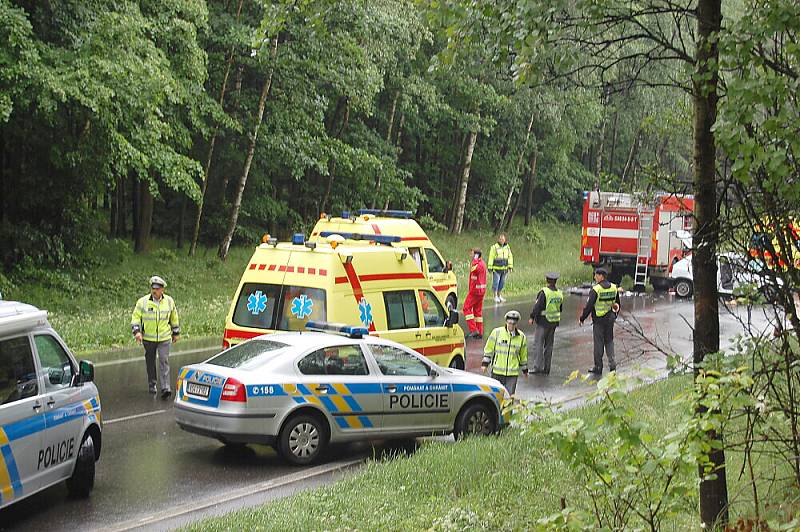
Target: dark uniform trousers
column 603, row 332
column 543, row 345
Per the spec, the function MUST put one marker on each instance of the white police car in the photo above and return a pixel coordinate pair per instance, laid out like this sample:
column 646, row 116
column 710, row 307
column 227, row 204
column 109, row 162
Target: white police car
column 50, row 422
column 300, row 391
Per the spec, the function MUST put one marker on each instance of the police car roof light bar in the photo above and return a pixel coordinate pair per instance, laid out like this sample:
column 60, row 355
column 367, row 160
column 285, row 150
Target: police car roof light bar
column 351, row 331
column 386, row 213
column 380, row 239
column 298, row 239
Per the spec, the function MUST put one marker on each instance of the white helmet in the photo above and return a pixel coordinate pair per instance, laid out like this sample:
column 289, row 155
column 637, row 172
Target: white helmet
column 512, row 315
column 157, row 281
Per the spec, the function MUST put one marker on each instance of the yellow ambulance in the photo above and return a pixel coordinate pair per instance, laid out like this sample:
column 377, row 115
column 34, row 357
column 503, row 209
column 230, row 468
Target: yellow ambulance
column 399, row 223
column 285, row 285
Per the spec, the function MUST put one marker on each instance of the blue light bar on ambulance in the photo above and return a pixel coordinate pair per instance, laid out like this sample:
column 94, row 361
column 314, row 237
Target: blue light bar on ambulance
column 380, row 239
column 298, row 239
column 386, row 213
column 352, row 331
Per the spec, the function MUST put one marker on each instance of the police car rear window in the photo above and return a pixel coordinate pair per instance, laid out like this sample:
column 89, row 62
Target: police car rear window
column 243, row 353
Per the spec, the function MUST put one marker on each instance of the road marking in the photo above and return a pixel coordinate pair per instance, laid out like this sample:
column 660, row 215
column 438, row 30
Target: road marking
column 245, row 491
column 134, row 416
column 139, row 359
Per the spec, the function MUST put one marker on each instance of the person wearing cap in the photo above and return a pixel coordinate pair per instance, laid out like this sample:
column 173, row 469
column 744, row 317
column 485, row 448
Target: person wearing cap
column 154, row 323
column 500, row 263
column 473, row 304
column 506, row 351
column 546, row 314
column 603, row 305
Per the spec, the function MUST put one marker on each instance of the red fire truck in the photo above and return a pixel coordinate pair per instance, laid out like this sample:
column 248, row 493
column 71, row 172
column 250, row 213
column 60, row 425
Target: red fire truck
column 636, row 235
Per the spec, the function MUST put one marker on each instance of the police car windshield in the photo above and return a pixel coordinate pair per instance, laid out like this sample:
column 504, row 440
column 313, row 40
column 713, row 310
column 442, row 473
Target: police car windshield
column 238, row 356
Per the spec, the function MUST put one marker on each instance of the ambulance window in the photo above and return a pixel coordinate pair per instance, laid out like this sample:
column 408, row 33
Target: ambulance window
column 256, row 305
column 435, row 263
column 18, row 378
column 56, row 365
column 415, row 254
column 432, row 310
column 394, row 361
column 401, row 309
column 301, row 304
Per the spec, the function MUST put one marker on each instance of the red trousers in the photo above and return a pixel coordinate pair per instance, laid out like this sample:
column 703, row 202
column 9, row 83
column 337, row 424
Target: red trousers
column 473, row 312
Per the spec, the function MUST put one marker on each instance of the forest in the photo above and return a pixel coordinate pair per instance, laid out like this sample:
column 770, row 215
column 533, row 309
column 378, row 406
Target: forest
column 213, row 122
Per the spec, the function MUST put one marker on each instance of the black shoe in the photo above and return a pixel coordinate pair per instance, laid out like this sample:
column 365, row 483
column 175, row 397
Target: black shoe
column 612, row 368
column 152, row 391
column 596, row 371
column 165, row 394
column 472, row 334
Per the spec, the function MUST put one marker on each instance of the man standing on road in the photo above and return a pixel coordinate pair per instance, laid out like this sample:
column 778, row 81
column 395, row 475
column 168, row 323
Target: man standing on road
column 546, row 314
column 473, row 304
column 506, row 351
column 154, row 323
column 501, row 262
column 603, row 304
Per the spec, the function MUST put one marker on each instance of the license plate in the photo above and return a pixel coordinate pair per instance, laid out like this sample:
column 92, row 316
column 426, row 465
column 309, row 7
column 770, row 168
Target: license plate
column 193, row 388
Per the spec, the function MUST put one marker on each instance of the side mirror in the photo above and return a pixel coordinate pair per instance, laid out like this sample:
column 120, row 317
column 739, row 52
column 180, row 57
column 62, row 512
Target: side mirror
column 452, row 319
column 433, row 373
column 85, row 371
column 448, row 266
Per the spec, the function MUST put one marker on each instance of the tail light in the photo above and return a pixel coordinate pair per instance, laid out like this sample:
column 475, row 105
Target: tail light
column 233, row 390
column 225, row 343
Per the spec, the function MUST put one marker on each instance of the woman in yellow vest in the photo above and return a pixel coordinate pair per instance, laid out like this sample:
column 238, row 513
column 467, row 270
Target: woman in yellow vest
column 500, row 263
column 506, row 351
column 546, row 314
column 603, row 304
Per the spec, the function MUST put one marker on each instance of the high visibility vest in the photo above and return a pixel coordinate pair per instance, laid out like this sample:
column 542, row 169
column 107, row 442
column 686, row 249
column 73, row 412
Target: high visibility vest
column 500, row 257
column 507, row 354
column 605, row 299
column 553, row 300
column 156, row 321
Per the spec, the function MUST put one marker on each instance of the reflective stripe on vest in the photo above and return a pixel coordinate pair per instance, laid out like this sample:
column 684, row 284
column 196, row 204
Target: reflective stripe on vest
column 553, row 300
column 605, row 299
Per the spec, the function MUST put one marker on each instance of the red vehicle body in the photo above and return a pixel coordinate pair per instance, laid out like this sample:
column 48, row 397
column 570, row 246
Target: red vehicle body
column 635, row 236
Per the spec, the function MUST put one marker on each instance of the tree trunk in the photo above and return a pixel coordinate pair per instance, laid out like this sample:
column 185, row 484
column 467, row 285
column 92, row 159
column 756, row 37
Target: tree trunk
column 204, row 185
column 145, row 223
column 632, row 154
column 113, row 211
column 392, row 110
column 531, row 183
column 237, row 201
column 332, row 172
column 181, row 218
column 614, row 132
column 501, row 223
column 458, row 218
column 135, row 206
column 713, row 492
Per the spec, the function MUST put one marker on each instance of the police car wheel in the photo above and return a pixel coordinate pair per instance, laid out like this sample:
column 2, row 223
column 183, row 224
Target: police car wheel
column 683, row 288
column 302, row 440
column 475, row 419
column 81, row 482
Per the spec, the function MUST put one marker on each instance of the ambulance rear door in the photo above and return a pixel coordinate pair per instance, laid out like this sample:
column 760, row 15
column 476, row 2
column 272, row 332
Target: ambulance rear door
column 257, row 301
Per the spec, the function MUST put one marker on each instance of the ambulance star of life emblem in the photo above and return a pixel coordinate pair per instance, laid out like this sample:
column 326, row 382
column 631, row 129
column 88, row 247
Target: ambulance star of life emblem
column 365, row 310
column 257, row 302
column 302, row 306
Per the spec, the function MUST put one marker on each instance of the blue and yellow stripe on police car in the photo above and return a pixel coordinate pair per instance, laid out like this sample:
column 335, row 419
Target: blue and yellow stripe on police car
column 337, row 399
column 10, row 484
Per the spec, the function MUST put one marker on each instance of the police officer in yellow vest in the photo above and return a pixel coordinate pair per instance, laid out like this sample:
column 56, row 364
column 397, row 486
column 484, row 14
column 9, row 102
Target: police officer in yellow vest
column 506, row 351
column 154, row 323
column 546, row 314
column 603, row 304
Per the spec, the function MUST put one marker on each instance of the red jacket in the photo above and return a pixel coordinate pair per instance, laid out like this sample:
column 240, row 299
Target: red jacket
column 477, row 277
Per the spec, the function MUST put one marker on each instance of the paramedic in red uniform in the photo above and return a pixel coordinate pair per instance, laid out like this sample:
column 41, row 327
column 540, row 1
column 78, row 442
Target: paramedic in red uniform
column 473, row 305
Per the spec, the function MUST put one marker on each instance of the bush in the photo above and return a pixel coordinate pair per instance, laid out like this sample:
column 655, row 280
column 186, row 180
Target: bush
column 532, row 235
column 427, row 222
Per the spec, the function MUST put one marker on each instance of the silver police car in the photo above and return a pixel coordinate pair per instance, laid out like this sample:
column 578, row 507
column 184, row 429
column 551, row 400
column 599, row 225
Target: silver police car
column 300, row 391
column 50, row 416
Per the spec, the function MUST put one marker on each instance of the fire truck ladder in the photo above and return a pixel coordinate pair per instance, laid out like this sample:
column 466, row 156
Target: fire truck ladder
column 644, row 246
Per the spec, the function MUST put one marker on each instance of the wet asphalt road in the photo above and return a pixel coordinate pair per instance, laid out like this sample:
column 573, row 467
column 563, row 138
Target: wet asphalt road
column 150, row 469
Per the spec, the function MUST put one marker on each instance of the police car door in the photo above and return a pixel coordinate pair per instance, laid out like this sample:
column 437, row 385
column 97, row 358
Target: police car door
column 64, row 411
column 339, row 380
column 413, row 400
column 21, row 420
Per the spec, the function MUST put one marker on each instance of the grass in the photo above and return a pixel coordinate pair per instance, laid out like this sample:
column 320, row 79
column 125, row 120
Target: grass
column 507, row 482
column 91, row 308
